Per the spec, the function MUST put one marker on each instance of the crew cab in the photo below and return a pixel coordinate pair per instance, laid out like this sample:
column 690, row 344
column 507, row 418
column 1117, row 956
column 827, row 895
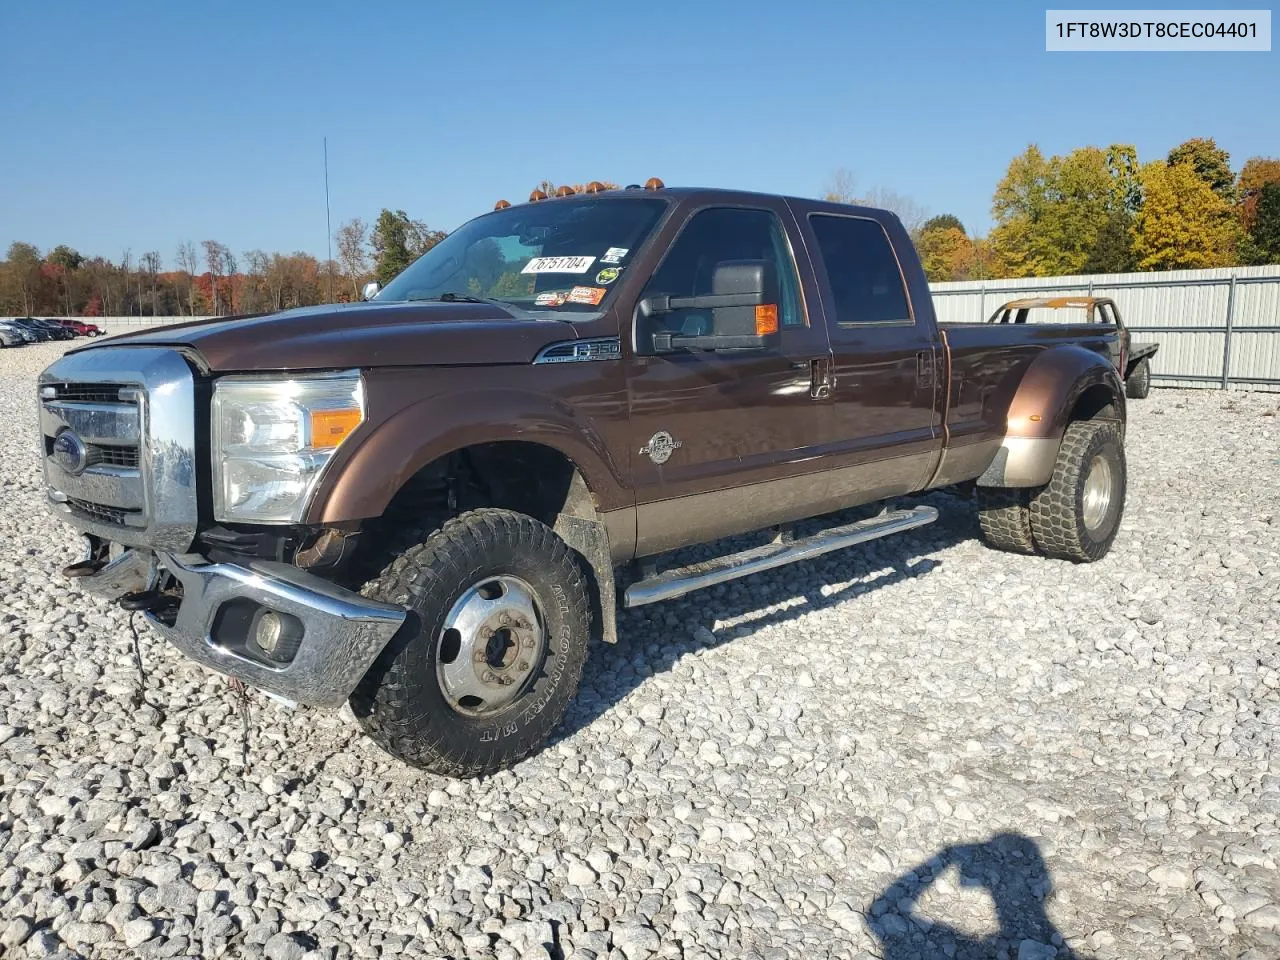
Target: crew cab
column 428, row 503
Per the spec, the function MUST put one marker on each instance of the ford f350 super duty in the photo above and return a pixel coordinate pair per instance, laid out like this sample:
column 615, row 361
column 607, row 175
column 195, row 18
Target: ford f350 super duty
column 428, row 503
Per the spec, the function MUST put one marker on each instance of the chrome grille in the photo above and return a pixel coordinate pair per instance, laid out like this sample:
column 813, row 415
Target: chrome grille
column 85, row 392
column 118, row 426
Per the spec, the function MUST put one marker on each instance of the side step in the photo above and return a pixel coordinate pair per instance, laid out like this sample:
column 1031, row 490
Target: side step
column 682, row 580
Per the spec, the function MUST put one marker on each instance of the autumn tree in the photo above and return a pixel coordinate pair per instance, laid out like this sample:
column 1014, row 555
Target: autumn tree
column 353, row 252
column 1211, row 164
column 23, row 274
column 1254, row 175
column 1263, row 242
column 151, row 264
column 1183, row 223
column 189, row 264
column 841, row 187
column 942, row 221
column 390, row 241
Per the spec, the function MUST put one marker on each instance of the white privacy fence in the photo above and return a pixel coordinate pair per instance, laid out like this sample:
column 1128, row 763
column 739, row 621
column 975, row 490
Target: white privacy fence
column 1216, row 328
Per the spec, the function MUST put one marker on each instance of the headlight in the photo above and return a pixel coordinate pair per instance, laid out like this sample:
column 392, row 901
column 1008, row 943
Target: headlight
column 272, row 439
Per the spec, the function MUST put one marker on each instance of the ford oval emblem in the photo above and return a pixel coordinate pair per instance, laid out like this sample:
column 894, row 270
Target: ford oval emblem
column 70, row 453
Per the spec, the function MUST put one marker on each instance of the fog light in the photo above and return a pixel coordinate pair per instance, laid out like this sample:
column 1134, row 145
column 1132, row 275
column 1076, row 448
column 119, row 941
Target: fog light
column 277, row 635
column 270, row 631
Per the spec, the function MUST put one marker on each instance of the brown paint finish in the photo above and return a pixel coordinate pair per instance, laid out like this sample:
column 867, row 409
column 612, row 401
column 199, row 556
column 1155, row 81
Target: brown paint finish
column 907, row 405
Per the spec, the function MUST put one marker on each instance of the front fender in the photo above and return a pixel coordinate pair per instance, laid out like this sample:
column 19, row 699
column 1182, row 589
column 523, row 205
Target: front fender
column 362, row 483
column 1046, row 401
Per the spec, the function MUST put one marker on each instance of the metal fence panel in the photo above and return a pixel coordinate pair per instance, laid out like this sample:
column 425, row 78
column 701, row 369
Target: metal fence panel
column 1216, row 328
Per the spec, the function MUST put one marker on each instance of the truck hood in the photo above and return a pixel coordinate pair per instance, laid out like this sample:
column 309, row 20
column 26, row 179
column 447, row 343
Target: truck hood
column 358, row 335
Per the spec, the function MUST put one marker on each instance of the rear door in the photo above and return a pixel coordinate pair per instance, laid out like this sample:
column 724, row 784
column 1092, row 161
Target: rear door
column 887, row 360
column 722, row 440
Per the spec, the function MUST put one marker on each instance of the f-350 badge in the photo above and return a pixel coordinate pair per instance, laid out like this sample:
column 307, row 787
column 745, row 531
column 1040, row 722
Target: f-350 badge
column 660, row 447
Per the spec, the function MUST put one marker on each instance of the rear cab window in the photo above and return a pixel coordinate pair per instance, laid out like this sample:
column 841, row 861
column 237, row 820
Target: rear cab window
column 862, row 272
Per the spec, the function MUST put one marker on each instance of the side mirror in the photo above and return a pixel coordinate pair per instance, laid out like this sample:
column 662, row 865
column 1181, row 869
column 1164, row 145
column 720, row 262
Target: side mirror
column 371, row 290
column 743, row 305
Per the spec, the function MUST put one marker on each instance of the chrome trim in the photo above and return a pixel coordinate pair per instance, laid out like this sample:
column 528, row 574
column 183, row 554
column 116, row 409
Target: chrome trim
column 343, row 632
column 676, row 583
column 165, row 416
column 1021, row 462
column 581, row 351
column 105, row 423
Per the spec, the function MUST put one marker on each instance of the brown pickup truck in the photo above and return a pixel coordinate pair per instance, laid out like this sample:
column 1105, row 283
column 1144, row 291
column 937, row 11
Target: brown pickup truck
column 422, row 503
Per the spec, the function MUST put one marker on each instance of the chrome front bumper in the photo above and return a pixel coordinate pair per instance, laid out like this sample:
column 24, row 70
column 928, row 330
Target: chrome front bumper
column 342, row 633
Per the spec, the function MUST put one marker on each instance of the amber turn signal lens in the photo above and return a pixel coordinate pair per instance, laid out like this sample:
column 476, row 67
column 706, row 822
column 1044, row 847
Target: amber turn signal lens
column 766, row 319
column 564, row 192
column 330, row 427
column 595, row 186
column 501, row 205
column 536, row 196
column 653, row 183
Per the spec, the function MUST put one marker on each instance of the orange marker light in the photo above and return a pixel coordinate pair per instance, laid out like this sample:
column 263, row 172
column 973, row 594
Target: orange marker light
column 536, row 196
column 501, row 205
column 1034, row 418
column 564, row 192
column 595, row 186
column 766, row 319
column 653, row 183
column 330, row 427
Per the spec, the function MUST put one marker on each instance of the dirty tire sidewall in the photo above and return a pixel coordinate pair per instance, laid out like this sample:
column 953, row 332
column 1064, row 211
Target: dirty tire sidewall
column 1138, row 386
column 1004, row 514
column 399, row 702
column 1057, row 511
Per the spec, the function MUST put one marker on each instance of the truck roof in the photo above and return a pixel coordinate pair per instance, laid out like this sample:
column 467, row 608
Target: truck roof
column 713, row 194
column 1056, row 303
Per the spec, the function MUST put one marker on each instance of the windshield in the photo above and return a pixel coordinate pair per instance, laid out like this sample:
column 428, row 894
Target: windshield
column 559, row 256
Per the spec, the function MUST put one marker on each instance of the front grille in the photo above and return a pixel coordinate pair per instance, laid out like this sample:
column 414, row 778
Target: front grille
column 86, row 392
column 113, row 456
column 100, row 512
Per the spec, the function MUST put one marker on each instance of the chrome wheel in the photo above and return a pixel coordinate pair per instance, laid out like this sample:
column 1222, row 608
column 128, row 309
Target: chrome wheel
column 1097, row 492
column 493, row 643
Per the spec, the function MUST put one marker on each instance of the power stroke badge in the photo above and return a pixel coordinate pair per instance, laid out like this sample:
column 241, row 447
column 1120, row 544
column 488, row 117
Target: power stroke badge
column 660, row 447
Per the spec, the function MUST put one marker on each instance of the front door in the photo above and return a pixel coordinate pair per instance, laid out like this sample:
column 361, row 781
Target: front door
column 722, row 440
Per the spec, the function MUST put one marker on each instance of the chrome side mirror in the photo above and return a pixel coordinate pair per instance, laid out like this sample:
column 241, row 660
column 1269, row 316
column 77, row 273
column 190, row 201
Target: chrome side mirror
column 371, row 289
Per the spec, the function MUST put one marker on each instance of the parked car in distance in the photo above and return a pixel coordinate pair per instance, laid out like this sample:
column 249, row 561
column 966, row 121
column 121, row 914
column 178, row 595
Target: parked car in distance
column 11, row 336
column 56, row 329
column 37, row 331
column 428, row 503
column 1132, row 360
column 79, row 327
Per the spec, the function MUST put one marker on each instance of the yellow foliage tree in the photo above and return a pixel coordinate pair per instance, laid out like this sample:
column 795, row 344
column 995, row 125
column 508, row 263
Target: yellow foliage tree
column 1183, row 223
column 943, row 253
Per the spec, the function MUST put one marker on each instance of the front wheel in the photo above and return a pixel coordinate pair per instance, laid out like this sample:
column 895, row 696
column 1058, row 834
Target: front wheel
column 1076, row 515
column 1138, row 386
column 493, row 650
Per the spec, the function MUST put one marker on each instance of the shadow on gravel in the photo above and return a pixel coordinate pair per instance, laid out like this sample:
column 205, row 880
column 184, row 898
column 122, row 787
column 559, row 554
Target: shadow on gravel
column 1009, row 868
column 612, row 672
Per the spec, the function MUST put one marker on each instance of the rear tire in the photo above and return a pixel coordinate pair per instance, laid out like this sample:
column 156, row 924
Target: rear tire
column 493, row 650
column 1004, row 513
column 1077, row 514
column 1138, row 386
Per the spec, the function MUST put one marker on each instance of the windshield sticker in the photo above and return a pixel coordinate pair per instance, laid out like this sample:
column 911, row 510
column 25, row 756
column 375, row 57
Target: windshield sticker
column 608, row 275
column 552, row 298
column 558, row 265
column 591, row 295
column 614, row 255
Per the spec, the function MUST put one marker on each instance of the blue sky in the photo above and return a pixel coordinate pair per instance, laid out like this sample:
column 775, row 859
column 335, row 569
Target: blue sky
column 141, row 125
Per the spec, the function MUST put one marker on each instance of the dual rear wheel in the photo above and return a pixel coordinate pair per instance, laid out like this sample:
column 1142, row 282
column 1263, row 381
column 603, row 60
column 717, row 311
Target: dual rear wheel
column 1076, row 515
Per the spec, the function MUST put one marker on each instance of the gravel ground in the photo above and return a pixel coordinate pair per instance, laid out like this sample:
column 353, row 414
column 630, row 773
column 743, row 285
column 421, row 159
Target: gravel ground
column 920, row 748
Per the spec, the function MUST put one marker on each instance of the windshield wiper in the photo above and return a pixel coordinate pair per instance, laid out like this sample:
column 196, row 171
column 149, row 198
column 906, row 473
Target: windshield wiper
column 451, row 297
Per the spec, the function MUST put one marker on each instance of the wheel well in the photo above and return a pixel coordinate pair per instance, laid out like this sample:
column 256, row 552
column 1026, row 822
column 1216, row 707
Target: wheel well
column 1096, row 403
column 529, row 478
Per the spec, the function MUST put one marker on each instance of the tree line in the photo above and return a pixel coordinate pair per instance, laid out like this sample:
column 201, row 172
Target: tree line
column 1093, row 210
column 1098, row 210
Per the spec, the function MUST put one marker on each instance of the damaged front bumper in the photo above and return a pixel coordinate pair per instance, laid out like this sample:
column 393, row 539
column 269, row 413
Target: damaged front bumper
column 320, row 639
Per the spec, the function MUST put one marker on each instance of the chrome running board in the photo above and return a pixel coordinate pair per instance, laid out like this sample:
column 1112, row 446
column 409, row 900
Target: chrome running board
column 682, row 580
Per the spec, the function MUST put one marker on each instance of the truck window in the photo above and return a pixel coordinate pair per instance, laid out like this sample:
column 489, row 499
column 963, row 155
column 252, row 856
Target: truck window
column 713, row 236
column 866, row 284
